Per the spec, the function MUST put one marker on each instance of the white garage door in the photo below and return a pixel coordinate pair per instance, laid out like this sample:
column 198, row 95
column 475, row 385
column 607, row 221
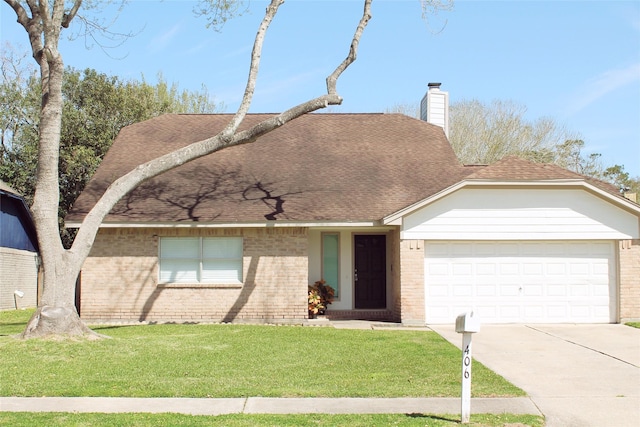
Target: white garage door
column 517, row 282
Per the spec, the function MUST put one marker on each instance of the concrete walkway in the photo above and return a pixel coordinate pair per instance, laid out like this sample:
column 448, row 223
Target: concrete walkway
column 577, row 375
column 265, row 405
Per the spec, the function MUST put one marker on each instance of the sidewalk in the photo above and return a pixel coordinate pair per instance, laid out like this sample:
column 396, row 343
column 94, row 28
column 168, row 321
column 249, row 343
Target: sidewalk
column 266, row 405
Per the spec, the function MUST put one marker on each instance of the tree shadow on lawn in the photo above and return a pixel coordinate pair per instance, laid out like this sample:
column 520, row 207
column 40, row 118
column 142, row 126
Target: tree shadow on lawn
column 432, row 417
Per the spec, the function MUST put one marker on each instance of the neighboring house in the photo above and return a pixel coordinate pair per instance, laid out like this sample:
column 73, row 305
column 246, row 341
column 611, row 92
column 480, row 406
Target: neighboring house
column 18, row 252
column 375, row 204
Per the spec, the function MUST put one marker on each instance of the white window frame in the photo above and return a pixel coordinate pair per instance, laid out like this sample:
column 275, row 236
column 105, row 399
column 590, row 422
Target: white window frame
column 195, row 263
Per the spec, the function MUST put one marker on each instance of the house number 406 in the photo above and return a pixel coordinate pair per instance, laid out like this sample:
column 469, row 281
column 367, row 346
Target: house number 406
column 466, row 376
column 467, row 362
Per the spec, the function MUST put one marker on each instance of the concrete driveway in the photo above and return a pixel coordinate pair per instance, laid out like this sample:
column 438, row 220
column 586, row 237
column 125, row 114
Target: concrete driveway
column 577, row 375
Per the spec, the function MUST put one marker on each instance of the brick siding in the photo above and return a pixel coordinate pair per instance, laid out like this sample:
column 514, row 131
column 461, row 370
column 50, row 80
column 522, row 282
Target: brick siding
column 629, row 254
column 119, row 281
column 395, row 306
column 412, row 282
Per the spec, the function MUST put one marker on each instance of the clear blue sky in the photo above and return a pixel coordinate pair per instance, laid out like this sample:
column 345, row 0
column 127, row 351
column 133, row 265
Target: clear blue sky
column 575, row 61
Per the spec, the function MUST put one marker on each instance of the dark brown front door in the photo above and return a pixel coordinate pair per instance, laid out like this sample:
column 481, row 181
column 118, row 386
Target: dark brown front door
column 370, row 273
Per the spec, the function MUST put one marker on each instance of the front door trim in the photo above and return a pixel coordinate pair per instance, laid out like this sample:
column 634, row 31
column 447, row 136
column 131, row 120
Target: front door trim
column 370, row 271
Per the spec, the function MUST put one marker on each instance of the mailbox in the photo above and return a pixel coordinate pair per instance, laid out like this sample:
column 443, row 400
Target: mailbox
column 467, row 323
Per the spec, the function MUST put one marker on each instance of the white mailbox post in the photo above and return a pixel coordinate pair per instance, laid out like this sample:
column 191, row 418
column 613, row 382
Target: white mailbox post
column 466, row 324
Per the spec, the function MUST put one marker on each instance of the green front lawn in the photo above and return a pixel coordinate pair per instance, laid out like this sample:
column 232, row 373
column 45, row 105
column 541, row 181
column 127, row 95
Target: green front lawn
column 237, row 361
column 633, row 324
column 175, row 420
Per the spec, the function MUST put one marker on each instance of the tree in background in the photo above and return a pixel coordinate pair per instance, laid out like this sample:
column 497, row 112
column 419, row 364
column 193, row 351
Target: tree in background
column 485, row 133
column 96, row 107
column 43, row 21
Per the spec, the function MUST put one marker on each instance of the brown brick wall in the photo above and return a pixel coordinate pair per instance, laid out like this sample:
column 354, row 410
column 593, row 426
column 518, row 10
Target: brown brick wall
column 119, row 279
column 395, row 306
column 629, row 254
column 412, row 281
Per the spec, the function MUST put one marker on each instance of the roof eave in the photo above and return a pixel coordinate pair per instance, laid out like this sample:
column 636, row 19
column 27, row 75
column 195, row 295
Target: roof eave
column 257, row 224
column 620, row 201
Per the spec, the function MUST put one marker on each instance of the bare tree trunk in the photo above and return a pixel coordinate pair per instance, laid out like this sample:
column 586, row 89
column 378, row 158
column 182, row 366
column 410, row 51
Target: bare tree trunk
column 57, row 314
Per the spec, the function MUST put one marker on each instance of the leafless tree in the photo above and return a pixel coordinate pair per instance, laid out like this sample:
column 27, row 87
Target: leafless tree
column 484, row 133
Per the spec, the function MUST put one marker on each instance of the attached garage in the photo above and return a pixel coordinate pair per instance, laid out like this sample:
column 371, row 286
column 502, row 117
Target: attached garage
column 534, row 253
column 514, row 282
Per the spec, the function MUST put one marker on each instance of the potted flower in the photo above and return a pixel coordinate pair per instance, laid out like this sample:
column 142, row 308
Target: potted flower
column 320, row 296
column 315, row 303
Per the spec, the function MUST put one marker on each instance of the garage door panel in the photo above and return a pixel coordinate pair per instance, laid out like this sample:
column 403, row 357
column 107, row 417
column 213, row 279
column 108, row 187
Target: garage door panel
column 439, row 312
column 438, row 269
column 438, row 290
column 556, row 269
column 484, row 268
column 509, row 269
column 580, row 311
column 579, row 269
column 534, row 311
column 532, row 269
column 534, row 282
column 485, row 312
column 557, row 313
column 462, row 269
column 509, row 290
column 533, row 290
column 487, row 290
column 601, row 269
column 462, row 290
column 461, row 250
column 556, row 290
column 579, row 290
column 601, row 290
column 601, row 311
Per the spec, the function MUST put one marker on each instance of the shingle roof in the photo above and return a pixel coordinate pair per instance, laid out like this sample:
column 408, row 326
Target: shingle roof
column 513, row 168
column 320, row 167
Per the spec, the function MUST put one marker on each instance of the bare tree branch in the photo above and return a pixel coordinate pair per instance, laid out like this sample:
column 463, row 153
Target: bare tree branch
column 68, row 17
column 353, row 50
column 21, row 13
column 256, row 53
column 229, row 137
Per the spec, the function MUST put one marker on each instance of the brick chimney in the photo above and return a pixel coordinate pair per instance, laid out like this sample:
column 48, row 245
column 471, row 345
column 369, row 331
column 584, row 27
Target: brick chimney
column 434, row 107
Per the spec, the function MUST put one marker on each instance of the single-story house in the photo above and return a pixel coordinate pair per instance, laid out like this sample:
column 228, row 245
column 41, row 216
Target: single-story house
column 18, row 252
column 377, row 205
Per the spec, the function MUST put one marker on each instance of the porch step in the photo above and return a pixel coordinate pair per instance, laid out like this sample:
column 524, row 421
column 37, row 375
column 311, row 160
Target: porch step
column 381, row 315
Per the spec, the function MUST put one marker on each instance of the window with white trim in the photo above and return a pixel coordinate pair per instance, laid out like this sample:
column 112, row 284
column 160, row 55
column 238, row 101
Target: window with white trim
column 201, row 260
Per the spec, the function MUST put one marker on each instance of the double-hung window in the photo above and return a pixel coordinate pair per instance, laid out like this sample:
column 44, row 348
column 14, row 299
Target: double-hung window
column 201, row 260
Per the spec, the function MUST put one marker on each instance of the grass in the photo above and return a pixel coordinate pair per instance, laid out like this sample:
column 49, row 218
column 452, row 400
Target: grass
column 240, row 361
column 237, row 361
column 633, row 324
column 153, row 420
